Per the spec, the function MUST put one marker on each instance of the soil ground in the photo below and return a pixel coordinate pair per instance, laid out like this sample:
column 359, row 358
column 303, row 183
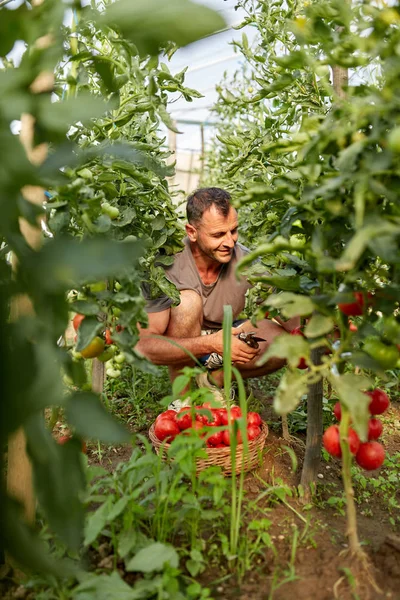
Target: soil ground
column 321, row 568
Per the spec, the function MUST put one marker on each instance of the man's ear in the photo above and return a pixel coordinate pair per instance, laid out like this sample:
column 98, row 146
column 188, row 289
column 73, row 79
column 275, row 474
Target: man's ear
column 191, row 232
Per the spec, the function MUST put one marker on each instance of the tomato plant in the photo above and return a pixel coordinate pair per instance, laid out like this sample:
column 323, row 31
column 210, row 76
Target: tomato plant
column 86, row 95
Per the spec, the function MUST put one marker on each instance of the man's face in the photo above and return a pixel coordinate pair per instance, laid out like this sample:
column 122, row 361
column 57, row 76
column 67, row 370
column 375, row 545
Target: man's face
column 216, row 235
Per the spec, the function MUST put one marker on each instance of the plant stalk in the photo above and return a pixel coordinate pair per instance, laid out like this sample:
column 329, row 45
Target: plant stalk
column 351, row 532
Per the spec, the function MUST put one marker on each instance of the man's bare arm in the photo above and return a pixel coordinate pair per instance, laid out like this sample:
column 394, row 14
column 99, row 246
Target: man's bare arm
column 160, row 350
column 290, row 324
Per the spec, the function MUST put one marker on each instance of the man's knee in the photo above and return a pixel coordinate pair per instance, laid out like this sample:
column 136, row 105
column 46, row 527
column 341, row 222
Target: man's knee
column 191, row 304
column 187, row 317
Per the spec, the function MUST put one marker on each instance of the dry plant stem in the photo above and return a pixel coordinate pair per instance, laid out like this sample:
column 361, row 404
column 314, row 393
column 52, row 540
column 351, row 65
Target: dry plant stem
column 285, row 428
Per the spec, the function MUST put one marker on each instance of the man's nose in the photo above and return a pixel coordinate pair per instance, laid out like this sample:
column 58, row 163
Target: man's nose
column 229, row 241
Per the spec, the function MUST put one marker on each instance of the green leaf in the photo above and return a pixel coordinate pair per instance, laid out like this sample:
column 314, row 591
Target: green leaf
column 88, row 329
column 105, row 587
column 349, row 389
column 291, row 305
column 14, row 25
column 85, row 307
column 151, row 23
column 318, row 325
column 25, row 546
column 153, row 558
column 291, row 347
column 360, row 240
column 59, row 116
column 283, row 283
column 97, row 521
column 158, row 223
column 59, row 480
column 292, row 387
column 88, row 416
column 179, row 384
column 70, row 262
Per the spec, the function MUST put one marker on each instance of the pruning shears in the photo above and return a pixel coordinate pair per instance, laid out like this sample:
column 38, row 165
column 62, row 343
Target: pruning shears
column 250, row 338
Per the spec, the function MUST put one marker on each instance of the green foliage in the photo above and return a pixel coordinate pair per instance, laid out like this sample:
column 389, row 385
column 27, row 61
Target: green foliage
column 314, row 173
column 93, row 144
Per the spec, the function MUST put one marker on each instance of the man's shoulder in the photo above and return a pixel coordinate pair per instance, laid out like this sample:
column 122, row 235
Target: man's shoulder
column 241, row 250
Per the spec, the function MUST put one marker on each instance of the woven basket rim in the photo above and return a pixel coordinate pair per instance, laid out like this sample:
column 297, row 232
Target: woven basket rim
column 214, row 453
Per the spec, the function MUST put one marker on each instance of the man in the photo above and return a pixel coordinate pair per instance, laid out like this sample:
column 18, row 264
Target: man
column 204, row 274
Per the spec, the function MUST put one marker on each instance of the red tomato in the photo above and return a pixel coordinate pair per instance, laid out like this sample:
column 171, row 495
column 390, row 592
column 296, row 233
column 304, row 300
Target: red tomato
column 168, row 414
column 266, row 314
column 356, row 308
column 375, row 429
column 199, row 426
column 331, row 441
column 201, row 416
column 215, row 439
column 253, row 418
column 236, row 413
column 119, row 328
column 107, row 337
column 184, row 418
column 227, row 440
column 302, row 363
column 220, row 446
column 370, row 455
column 253, row 431
column 64, row 439
column 353, row 327
column 337, row 411
column 166, row 429
column 77, row 320
column 215, row 421
column 379, row 403
column 354, row 441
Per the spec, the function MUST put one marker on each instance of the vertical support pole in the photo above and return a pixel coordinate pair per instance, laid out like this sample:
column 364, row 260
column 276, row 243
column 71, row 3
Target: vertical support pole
column 174, row 157
column 202, row 158
column 314, row 429
column 98, row 374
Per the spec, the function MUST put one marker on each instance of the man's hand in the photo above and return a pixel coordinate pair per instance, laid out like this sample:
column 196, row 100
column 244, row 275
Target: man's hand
column 240, row 351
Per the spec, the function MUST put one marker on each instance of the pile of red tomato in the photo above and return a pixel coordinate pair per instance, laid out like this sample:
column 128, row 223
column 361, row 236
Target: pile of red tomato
column 371, row 454
column 204, row 418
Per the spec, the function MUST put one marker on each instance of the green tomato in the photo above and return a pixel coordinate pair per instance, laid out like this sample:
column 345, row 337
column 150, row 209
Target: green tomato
column 99, row 286
column 113, row 373
column 394, row 140
column 297, row 240
column 85, row 173
column 107, row 354
column 116, row 311
column 120, row 358
column 111, row 211
column 391, row 329
column 118, row 286
column 386, row 356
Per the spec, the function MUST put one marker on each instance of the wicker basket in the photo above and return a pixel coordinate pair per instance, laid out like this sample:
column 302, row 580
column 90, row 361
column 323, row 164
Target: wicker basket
column 222, row 456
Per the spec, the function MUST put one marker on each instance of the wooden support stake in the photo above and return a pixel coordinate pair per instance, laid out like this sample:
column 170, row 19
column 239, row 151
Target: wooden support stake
column 98, row 375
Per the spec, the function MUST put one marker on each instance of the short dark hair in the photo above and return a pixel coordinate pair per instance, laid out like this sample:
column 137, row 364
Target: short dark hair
column 203, row 199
